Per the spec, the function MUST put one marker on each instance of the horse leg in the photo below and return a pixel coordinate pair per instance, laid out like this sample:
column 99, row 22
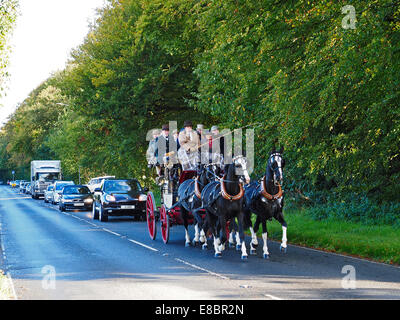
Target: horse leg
column 217, row 241
column 203, row 236
column 241, row 234
column 254, row 240
column 186, row 224
column 282, row 221
column 196, row 238
column 238, row 242
column 265, row 239
column 232, row 232
column 209, row 224
column 222, row 222
column 231, row 239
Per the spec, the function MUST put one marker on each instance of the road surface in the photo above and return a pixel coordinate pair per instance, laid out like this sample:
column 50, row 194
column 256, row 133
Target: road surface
column 54, row 255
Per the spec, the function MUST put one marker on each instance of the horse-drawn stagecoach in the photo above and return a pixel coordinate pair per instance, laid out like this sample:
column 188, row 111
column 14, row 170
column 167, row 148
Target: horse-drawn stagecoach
column 212, row 201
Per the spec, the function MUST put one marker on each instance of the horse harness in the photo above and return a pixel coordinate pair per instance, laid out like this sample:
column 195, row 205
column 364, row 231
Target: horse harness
column 229, row 197
column 268, row 196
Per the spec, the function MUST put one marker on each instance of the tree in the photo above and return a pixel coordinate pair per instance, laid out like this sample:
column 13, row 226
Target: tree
column 8, row 13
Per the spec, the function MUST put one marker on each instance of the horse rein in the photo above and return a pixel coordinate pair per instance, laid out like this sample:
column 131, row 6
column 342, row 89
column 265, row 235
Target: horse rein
column 224, row 193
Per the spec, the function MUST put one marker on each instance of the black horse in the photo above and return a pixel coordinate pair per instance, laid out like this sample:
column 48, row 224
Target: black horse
column 265, row 199
column 223, row 202
column 189, row 195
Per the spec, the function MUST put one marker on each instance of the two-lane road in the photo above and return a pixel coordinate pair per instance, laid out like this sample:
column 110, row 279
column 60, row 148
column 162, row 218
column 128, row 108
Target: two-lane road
column 117, row 260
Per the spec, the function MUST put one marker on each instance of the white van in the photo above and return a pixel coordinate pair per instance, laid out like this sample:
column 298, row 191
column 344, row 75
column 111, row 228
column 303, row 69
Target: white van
column 96, row 182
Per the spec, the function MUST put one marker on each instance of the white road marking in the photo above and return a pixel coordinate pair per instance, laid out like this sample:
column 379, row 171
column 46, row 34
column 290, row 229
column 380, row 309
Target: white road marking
column 12, row 286
column 202, row 269
column 272, row 297
column 7, row 199
column 112, row 232
column 143, row 245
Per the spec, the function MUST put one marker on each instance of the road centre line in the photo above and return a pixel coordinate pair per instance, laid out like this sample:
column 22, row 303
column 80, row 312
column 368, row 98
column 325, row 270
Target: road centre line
column 149, row 248
column 116, row 234
column 202, row 269
column 112, row 232
column 143, row 245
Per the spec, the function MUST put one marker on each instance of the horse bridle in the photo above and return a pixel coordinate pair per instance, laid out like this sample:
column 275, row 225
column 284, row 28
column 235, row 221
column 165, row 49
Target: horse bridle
column 278, row 167
column 263, row 186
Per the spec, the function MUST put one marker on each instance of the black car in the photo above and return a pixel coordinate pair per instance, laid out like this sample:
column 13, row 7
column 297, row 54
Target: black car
column 119, row 198
column 76, row 197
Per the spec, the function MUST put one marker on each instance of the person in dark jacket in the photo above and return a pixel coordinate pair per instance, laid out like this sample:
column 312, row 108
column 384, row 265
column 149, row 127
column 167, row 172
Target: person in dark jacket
column 162, row 145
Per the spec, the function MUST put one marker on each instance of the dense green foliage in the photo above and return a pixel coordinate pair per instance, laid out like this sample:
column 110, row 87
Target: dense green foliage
column 8, row 13
column 330, row 95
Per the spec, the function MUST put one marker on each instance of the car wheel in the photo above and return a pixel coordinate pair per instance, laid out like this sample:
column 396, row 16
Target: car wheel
column 103, row 217
column 95, row 214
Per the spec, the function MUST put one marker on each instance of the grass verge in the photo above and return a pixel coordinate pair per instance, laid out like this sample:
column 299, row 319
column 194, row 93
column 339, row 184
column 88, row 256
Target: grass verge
column 378, row 243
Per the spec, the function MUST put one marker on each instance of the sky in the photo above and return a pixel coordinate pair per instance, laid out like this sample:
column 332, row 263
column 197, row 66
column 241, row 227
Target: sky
column 45, row 33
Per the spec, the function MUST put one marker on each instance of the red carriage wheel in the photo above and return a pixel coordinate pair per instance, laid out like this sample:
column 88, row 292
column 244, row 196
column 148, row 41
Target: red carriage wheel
column 151, row 215
column 164, row 220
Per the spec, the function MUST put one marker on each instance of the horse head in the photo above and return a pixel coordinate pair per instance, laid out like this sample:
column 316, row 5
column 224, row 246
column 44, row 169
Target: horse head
column 275, row 166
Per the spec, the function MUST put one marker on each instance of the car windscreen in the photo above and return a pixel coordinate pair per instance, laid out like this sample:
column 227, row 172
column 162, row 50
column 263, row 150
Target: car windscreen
column 61, row 185
column 121, row 186
column 47, row 177
column 76, row 190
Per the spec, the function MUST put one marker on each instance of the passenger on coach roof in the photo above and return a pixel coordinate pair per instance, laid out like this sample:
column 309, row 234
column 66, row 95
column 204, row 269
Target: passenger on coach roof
column 189, row 141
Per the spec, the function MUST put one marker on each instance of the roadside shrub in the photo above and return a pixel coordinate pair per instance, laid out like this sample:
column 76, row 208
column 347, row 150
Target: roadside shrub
column 358, row 209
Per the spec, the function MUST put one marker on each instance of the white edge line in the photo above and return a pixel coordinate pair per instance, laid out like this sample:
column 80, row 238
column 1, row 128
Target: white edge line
column 12, row 286
column 202, row 269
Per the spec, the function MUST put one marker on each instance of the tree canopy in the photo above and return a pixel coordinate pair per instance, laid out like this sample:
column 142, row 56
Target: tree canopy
column 290, row 69
column 8, row 14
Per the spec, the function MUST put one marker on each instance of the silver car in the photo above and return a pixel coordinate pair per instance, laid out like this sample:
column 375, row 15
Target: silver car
column 58, row 187
column 48, row 194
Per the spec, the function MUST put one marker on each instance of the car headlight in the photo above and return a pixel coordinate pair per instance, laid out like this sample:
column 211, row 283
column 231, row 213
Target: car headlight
column 110, row 198
column 89, row 201
column 66, row 200
column 142, row 197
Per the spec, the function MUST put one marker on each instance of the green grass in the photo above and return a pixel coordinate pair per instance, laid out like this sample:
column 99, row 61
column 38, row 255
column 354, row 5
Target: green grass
column 378, row 243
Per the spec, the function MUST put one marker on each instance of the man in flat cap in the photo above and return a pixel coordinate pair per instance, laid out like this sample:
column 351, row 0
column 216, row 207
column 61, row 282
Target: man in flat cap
column 162, row 144
column 189, row 141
